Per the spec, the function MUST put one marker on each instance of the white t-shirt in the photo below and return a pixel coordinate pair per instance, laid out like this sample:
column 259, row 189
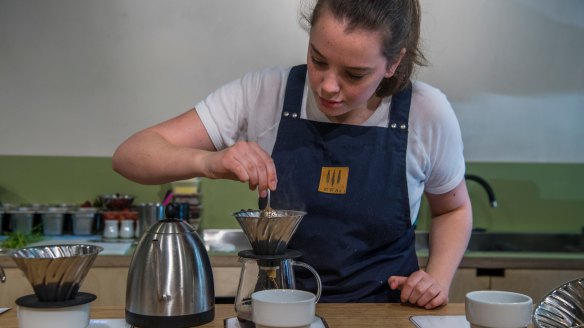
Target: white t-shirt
column 250, row 109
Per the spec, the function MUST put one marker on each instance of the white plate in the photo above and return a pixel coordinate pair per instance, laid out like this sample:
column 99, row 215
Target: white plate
column 234, row 323
column 230, row 323
column 108, row 323
column 440, row 321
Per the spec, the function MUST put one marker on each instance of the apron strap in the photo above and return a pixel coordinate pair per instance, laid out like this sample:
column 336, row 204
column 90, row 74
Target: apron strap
column 400, row 108
column 294, row 91
column 400, row 103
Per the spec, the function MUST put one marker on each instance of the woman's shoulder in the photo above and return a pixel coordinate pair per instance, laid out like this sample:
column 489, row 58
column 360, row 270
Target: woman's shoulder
column 430, row 104
column 266, row 82
column 435, row 138
column 427, row 95
column 268, row 75
column 432, row 119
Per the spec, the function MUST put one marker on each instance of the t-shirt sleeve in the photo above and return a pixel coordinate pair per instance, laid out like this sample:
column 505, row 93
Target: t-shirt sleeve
column 244, row 108
column 442, row 140
column 223, row 113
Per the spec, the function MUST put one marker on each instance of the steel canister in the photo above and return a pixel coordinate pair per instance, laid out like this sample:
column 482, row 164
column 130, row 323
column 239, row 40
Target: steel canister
column 148, row 214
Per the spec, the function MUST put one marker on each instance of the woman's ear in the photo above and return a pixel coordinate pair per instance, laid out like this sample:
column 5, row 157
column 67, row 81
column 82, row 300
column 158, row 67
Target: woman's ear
column 393, row 67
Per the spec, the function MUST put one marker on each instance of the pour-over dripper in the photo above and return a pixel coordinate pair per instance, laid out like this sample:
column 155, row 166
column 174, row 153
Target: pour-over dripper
column 269, row 235
column 56, row 271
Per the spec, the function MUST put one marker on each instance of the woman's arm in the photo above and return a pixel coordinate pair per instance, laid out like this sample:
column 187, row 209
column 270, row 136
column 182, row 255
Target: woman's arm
column 449, row 235
column 180, row 148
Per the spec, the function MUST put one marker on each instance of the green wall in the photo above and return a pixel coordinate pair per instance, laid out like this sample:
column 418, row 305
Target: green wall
column 74, row 180
column 531, row 197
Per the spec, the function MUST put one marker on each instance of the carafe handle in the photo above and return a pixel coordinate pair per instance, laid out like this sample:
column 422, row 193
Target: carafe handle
column 315, row 274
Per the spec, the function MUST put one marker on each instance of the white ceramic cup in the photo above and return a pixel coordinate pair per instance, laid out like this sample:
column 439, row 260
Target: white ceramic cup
column 127, row 229
column 498, row 309
column 283, row 308
column 111, row 229
column 65, row 317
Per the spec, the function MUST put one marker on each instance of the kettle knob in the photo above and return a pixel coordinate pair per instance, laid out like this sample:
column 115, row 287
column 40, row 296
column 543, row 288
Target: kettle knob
column 178, row 211
column 170, row 211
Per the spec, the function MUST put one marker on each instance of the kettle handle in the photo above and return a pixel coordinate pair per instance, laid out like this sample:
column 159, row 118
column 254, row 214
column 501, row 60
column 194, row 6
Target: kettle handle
column 157, row 254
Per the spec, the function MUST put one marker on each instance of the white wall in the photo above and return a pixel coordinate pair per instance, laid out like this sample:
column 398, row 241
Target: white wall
column 78, row 77
column 514, row 72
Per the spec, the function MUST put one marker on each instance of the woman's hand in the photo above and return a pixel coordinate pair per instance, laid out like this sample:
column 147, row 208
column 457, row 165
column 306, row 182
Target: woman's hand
column 246, row 162
column 449, row 234
column 420, row 289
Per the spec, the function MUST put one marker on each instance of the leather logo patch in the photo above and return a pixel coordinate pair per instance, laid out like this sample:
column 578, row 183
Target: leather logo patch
column 333, row 180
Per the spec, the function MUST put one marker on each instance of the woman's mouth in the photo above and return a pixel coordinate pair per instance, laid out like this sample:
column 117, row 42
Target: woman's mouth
column 330, row 104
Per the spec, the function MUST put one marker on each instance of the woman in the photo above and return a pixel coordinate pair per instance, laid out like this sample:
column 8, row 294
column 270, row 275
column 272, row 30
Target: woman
column 347, row 138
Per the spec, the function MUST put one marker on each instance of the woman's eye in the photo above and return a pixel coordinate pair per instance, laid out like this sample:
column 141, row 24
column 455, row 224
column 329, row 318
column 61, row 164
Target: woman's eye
column 317, row 62
column 355, row 76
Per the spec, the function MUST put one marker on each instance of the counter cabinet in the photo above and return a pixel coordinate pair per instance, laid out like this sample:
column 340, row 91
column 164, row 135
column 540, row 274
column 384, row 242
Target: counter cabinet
column 109, row 285
column 535, row 283
column 534, row 277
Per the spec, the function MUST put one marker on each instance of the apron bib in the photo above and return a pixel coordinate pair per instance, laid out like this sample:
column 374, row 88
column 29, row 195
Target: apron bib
column 351, row 180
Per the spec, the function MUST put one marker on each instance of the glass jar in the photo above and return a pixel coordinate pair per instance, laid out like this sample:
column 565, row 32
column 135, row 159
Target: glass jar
column 52, row 220
column 83, row 221
column 21, row 220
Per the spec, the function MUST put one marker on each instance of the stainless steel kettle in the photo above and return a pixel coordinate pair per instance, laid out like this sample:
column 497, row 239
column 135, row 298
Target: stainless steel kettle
column 170, row 282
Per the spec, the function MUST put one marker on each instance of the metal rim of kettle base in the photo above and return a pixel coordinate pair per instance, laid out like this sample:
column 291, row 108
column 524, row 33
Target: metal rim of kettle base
column 187, row 320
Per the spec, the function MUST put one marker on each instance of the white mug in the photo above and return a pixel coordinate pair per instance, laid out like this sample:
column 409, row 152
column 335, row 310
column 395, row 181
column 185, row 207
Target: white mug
column 111, row 229
column 127, row 229
column 283, row 308
column 496, row 308
column 61, row 317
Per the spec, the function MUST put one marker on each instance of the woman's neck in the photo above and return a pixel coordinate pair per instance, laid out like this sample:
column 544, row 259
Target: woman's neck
column 360, row 115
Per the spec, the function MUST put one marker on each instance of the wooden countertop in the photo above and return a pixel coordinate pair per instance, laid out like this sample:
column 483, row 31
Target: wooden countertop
column 502, row 260
column 349, row 315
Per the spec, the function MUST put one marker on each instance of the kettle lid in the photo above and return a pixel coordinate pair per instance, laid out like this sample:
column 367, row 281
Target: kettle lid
column 175, row 221
column 171, row 226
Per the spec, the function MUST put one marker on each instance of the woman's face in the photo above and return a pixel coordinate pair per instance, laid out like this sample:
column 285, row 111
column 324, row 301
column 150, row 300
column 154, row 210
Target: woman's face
column 345, row 69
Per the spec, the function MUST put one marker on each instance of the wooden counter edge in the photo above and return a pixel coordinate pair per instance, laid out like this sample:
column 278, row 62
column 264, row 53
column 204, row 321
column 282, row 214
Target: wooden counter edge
column 494, row 261
column 349, row 315
column 104, row 261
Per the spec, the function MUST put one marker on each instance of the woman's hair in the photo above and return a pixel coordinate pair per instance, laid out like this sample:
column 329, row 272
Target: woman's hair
column 399, row 24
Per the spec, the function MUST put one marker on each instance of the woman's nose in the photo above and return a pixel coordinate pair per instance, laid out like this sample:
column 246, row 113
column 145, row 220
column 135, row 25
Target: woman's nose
column 330, row 84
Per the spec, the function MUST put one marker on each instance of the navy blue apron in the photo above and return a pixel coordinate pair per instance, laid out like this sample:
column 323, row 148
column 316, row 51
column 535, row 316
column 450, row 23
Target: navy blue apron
column 351, row 180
